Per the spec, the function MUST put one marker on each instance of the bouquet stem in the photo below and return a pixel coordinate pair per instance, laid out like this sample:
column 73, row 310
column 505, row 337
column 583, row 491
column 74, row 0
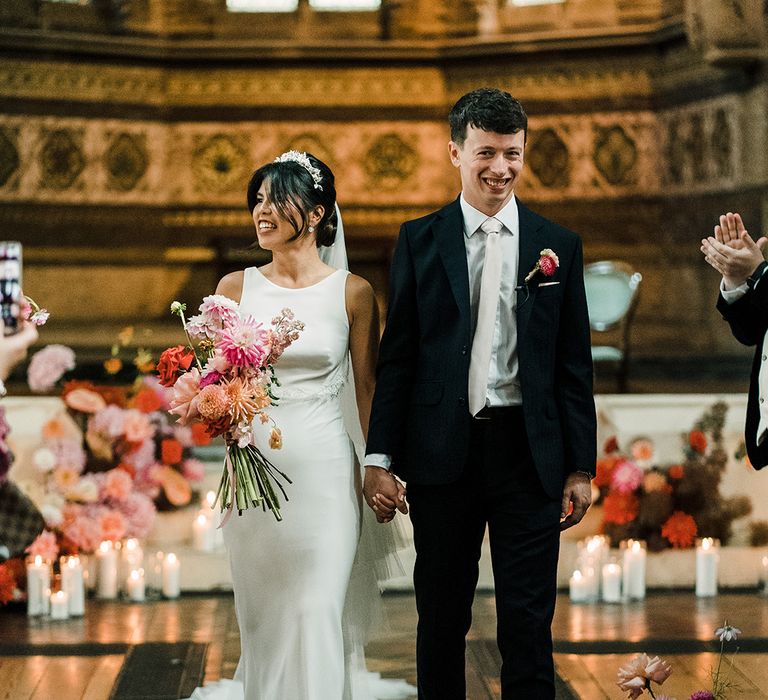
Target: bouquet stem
column 248, row 481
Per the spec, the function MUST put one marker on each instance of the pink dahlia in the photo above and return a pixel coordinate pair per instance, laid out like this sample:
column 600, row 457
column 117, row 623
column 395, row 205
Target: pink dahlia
column 246, row 344
column 216, row 312
column 137, row 426
column 212, row 402
column 627, row 476
column 702, row 695
column 48, row 366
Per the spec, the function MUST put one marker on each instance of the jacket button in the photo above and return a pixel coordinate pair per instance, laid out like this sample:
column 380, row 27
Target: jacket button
column 464, row 350
column 762, row 400
column 461, row 401
column 765, row 358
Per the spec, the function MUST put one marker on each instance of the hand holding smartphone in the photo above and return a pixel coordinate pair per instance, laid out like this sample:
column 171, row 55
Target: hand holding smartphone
column 10, row 286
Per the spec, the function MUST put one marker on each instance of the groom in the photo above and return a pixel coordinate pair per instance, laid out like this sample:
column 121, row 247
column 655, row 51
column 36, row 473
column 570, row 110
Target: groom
column 484, row 405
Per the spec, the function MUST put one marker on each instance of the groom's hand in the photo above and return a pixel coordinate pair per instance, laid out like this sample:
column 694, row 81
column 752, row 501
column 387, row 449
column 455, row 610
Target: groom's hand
column 577, row 491
column 383, row 493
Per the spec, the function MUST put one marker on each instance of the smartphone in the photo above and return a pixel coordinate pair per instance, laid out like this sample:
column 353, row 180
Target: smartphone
column 10, row 286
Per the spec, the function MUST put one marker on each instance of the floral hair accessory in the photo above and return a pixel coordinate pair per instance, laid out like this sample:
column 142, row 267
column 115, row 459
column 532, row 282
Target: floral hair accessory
column 304, row 162
column 546, row 264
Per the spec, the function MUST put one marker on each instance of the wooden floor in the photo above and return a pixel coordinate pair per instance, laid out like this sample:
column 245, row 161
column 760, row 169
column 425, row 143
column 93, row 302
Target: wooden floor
column 80, row 659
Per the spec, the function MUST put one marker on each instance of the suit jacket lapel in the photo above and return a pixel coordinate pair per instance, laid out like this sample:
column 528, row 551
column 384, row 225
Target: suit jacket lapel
column 449, row 235
column 530, row 249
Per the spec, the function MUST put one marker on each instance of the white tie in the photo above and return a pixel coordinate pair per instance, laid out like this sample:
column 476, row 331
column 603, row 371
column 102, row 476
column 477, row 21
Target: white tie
column 482, row 344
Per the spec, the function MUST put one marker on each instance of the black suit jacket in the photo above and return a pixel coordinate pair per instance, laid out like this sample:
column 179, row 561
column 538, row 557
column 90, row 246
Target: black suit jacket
column 748, row 319
column 420, row 414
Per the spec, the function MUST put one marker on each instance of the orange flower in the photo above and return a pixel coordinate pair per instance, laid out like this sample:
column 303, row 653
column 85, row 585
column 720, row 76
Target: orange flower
column 176, row 488
column 604, row 470
column 276, row 439
column 113, row 365
column 147, row 401
column 676, row 471
column 7, row 584
column 642, row 450
column 679, row 529
column 611, row 445
column 200, row 436
column 170, row 451
column 54, row 429
column 620, row 508
column 697, row 441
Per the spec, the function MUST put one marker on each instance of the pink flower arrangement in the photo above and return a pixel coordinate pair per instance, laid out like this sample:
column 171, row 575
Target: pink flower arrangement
column 227, row 386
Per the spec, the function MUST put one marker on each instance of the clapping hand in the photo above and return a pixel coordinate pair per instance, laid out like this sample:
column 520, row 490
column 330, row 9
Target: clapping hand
column 731, row 251
column 384, row 493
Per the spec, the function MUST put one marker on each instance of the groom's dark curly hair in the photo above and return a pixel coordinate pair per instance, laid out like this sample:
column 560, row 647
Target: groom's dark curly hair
column 488, row 109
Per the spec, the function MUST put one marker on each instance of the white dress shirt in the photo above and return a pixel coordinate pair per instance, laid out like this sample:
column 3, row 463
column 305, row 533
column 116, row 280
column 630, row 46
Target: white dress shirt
column 730, row 296
column 503, row 382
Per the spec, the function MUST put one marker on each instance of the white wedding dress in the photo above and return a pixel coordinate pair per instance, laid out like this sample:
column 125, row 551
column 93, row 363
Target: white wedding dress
column 301, row 608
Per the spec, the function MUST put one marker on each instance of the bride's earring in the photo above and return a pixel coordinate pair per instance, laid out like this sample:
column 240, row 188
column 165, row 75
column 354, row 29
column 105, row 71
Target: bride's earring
column 311, row 229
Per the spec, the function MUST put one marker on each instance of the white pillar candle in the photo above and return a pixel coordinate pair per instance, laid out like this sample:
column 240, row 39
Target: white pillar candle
column 131, row 556
column 707, row 556
column 580, row 587
column 171, row 576
column 38, row 586
column 73, row 584
column 90, row 571
column 106, row 558
column 206, row 503
column 59, row 605
column 203, row 529
column 134, row 585
column 611, row 583
column 633, row 564
column 154, row 572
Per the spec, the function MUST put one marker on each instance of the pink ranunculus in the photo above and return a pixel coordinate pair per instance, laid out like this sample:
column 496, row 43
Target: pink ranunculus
column 185, row 391
column 48, row 365
column 193, row 469
column 112, row 525
column 109, row 421
column 245, row 344
column 137, row 426
column 117, row 485
column 45, row 546
column 84, row 400
column 69, row 452
column 627, row 476
column 139, row 513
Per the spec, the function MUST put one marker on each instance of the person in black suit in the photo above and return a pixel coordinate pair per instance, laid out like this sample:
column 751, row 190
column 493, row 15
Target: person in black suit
column 484, row 405
column 743, row 302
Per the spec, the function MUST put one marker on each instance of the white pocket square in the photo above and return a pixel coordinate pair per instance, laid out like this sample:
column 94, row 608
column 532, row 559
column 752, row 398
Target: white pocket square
column 548, row 284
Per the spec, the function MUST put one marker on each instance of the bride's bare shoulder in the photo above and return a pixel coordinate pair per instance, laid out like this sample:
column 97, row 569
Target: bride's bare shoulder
column 231, row 285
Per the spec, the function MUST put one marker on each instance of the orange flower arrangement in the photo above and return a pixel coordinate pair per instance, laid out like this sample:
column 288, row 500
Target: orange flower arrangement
column 200, row 436
column 604, row 470
column 171, row 451
column 676, row 471
column 147, row 400
column 680, row 529
column 620, row 508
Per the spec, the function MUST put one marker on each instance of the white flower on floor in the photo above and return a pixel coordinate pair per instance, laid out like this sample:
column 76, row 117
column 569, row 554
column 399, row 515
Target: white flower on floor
column 727, row 632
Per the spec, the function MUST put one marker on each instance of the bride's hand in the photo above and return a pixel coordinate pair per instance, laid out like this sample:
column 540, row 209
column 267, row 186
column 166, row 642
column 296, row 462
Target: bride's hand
column 383, row 493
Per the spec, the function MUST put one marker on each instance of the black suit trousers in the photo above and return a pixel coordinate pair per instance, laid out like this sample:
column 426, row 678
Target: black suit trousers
column 499, row 488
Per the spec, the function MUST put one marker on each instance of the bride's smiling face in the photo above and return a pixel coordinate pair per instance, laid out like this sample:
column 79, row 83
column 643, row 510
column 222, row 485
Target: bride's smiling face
column 272, row 229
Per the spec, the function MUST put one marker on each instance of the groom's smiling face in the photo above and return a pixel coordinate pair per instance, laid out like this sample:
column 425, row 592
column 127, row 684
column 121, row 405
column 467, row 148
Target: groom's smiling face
column 489, row 165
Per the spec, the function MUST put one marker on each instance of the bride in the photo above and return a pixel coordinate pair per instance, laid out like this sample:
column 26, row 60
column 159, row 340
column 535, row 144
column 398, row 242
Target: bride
column 303, row 587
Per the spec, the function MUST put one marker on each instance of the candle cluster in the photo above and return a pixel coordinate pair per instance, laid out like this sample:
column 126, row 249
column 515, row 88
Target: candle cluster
column 117, row 568
column 206, row 534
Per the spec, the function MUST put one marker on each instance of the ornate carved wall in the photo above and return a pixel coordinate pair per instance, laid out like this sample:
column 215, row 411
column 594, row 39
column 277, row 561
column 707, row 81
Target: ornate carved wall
column 125, row 147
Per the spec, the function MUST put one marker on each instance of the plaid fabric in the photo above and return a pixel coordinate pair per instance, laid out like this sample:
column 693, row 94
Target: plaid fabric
column 20, row 520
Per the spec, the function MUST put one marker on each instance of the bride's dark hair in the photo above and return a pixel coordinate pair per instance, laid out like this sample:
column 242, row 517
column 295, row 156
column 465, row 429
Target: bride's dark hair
column 292, row 192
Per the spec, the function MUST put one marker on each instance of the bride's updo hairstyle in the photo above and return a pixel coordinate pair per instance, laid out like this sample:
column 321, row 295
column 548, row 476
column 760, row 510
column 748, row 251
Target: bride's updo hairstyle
column 294, row 190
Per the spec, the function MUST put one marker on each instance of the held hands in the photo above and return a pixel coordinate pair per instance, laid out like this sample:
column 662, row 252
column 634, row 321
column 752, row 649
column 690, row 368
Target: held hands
column 577, row 491
column 383, row 493
column 732, row 252
column 13, row 348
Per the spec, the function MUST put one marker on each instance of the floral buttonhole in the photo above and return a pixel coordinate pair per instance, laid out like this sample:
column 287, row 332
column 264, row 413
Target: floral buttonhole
column 547, row 265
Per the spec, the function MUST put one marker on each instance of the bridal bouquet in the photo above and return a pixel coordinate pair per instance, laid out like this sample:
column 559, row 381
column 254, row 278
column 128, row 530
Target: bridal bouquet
column 224, row 379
